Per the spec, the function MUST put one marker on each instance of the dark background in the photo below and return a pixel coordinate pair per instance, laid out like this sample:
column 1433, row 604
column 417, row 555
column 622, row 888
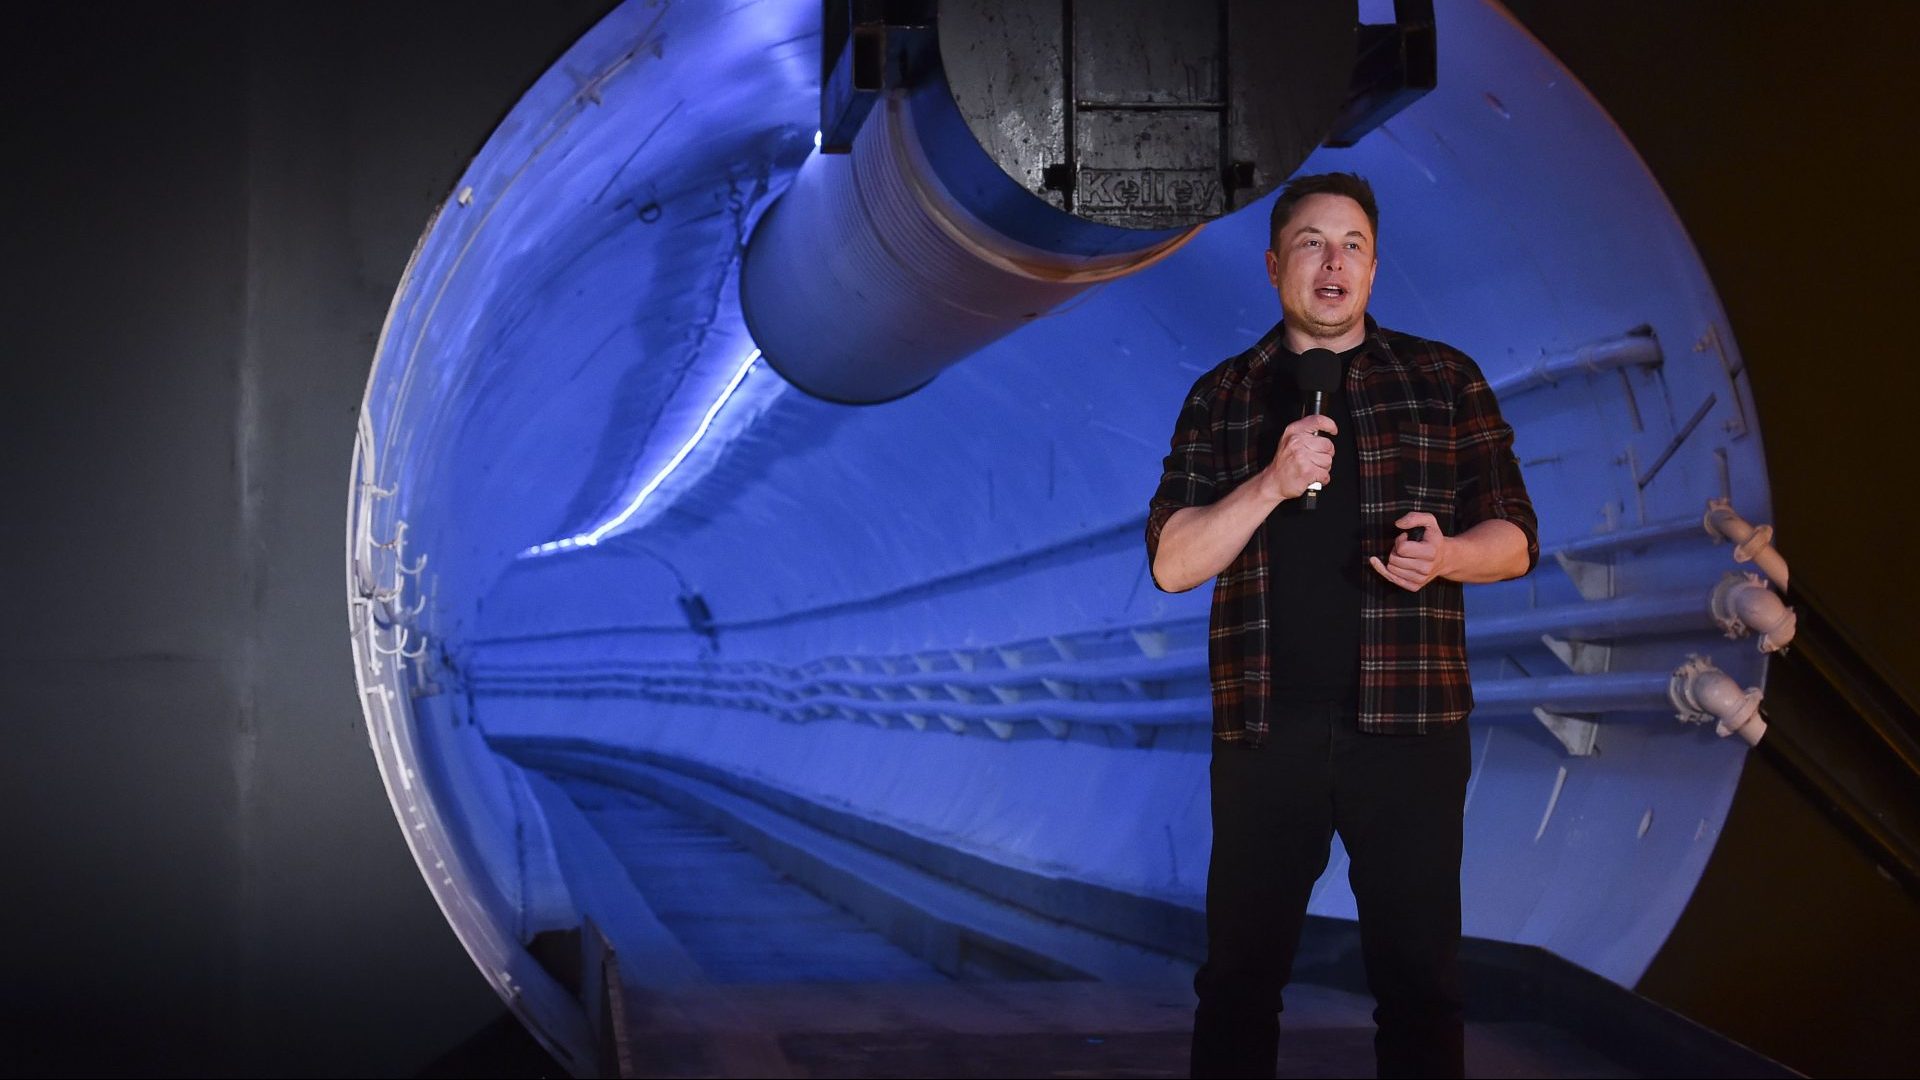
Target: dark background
column 207, row 209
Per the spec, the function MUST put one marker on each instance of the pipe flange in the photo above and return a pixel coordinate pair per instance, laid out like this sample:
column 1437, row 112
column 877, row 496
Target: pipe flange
column 1743, row 604
column 1781, row 635
column 1760, row 540
column 1715, row 507
column 1679, row 690
column 1701, row 692
column 1726, row 613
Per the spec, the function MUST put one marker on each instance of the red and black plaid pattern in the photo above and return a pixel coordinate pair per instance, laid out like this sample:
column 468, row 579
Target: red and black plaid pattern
column 1430, row 438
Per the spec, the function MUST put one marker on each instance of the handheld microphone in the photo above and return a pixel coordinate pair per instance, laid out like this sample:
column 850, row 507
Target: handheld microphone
column 1318, row 375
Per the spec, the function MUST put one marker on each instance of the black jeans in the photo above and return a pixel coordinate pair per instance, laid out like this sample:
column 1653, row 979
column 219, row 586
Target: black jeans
column 1397, row 803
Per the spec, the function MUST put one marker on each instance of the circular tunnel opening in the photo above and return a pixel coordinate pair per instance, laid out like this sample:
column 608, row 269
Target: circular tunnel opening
column 606, row 564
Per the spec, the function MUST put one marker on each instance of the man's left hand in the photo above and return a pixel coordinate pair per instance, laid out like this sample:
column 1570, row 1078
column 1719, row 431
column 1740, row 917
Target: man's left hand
column 1413, row 563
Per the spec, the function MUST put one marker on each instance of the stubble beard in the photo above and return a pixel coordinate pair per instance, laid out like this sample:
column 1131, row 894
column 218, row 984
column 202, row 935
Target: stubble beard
column 1316, row 327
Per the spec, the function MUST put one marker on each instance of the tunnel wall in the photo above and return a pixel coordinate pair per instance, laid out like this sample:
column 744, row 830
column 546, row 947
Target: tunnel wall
column 576, row 304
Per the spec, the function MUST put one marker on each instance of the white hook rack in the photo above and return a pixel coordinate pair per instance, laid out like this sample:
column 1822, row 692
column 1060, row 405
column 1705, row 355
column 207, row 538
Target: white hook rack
column 396, row 544
column 400, row 649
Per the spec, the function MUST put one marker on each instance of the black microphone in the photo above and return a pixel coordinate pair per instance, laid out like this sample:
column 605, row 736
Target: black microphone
column 1317, row 374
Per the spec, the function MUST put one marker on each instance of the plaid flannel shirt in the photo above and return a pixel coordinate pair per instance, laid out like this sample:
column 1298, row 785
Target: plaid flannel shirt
column 1430, row 437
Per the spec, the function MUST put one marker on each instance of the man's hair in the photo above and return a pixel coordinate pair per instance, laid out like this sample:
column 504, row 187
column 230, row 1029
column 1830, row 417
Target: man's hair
column 1351, row 185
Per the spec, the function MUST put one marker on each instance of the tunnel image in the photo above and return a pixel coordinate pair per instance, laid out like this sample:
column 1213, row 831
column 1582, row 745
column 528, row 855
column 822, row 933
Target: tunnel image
column 733, row 607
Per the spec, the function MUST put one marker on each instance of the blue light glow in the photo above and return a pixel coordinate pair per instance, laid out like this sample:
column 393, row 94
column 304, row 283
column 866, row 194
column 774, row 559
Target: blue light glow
column 598, row 533
column 936, row 612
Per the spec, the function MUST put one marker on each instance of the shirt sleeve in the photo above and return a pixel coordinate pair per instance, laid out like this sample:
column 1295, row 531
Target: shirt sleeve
column 1187, row 473
column 1490, row 485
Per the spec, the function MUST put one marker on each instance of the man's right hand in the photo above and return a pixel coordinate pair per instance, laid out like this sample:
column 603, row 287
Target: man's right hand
column 1199, row 542
column 1303, row 458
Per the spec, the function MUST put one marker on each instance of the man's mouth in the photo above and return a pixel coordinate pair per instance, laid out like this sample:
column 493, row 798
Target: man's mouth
column 1330, row 292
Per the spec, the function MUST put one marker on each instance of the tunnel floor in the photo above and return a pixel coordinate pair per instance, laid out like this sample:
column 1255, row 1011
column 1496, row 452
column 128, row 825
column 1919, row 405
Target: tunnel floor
column 796, row 984
column 738, row 918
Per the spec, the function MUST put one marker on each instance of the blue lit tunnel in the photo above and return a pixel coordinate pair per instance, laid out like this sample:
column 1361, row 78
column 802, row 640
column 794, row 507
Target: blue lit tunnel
column 592, row 533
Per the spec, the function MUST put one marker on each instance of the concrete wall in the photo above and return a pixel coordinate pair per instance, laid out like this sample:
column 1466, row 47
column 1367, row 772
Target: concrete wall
column 207, row 209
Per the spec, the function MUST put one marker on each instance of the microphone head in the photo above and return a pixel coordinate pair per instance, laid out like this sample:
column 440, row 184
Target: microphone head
column 1317, row 371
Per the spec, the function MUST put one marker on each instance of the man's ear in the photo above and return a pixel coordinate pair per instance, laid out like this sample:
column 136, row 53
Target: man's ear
column 1273, row 269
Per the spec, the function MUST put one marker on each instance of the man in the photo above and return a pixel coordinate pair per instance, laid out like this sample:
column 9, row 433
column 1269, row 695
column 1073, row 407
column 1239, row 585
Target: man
column 1338, row 653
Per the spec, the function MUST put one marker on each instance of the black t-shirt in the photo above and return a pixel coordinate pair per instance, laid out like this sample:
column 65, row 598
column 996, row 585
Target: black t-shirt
column 1315, row 560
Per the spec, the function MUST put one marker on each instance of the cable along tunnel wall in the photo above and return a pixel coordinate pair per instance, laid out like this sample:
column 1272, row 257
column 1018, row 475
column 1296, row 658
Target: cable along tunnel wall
column 935, row 612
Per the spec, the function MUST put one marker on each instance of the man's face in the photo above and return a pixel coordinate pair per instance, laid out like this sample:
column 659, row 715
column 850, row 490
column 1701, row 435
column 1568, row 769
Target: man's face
column 1322, row 264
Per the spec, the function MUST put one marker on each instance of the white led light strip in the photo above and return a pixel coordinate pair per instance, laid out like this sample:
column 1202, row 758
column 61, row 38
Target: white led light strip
column 595, row 535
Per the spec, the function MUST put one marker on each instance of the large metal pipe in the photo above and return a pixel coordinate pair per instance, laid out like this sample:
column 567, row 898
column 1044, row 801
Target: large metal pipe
column 1006, row 156
column 868, row 277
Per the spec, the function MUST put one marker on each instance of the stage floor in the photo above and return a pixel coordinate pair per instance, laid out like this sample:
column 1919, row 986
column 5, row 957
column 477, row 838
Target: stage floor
column 1024, row 1029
